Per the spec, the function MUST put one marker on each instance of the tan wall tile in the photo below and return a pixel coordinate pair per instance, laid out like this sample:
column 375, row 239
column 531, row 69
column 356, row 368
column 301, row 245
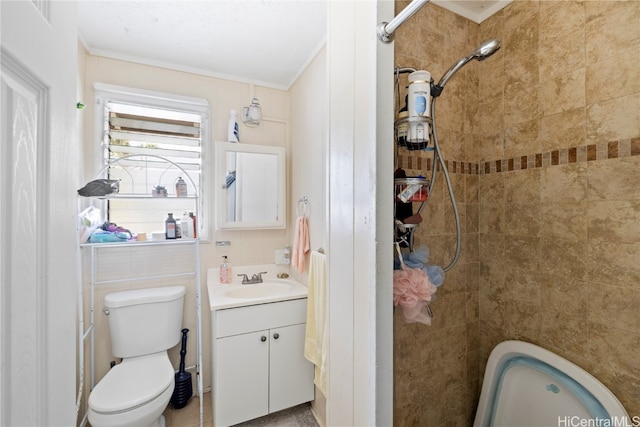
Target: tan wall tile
column 613, row 119
column 564, row 331
column 521, row 104
column 470, row 248
column 520, row 14
column 563, row 258
column 491, row 78
column 522, row 186
column 564, row 183
column 614, row 263
column 565, row 221
column 522, row 139
column 611, row 28
column 471, row 314
column 491, row 218
column 522, row 285
column 522, row 220
column 491, row 188
column 563, row 130
column 614, row 348
column 563, row 92
column 614, row 77
column 433, row 216
column 607, row 302
column 523, row 320
column 566, row 295
column 490, row 124
column 614, row 179
column 491, row 147
column 472, row 217
column 561, row 54
column 523, row 251
column 560, row 18
column 471, row 189
column 614, row 221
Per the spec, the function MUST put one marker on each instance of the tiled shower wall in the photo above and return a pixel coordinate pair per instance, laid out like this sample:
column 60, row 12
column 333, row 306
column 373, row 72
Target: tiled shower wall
column 544, row 139
column 436, row 367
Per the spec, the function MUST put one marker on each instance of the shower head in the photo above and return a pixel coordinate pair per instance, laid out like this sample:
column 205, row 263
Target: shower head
column 485, row 50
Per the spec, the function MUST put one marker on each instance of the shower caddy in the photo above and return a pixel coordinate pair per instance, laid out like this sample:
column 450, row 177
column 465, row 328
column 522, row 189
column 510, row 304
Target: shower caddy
column 403, row 232
column 95, row 248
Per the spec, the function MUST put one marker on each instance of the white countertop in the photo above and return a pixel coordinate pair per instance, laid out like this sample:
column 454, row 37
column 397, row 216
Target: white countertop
column 275, row 289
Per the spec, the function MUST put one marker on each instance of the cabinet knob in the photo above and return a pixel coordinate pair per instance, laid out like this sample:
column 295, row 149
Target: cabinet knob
column 276, row 336
column 263, row 338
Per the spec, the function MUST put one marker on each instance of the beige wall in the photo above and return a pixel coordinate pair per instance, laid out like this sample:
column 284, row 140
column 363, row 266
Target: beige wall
column 308, row 165
column 551, row 216
column 308, row 159
column 247, row 247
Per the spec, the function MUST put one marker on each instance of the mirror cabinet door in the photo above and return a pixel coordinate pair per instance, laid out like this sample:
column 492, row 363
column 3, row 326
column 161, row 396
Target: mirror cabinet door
column 250, row 185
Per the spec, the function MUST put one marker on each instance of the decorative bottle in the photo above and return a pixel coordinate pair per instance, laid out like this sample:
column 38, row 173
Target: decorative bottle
column 234, row 130
column 170, row 227
column 225, row 271
column 181, row 188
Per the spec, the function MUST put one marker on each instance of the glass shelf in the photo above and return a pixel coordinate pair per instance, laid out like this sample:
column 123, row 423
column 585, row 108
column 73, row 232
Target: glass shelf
column 142, row 243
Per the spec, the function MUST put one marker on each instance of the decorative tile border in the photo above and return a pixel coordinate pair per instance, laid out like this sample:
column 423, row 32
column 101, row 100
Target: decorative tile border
column 564, row 156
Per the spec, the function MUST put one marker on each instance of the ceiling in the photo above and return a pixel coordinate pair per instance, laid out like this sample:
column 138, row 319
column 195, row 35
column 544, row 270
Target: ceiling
column 266, row 42
column 474, row 10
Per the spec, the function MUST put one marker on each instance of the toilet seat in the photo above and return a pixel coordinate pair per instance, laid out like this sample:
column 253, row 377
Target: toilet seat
column 133, row 383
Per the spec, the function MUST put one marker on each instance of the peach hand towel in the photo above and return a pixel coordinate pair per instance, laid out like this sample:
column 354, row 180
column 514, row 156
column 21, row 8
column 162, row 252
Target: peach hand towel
column 300, row 243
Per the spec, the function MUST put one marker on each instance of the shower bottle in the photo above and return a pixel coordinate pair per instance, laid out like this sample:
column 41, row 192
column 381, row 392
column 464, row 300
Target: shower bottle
column 419, row 105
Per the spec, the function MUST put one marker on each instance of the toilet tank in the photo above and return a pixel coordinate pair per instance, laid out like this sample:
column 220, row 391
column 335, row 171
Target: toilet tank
column 144, row 321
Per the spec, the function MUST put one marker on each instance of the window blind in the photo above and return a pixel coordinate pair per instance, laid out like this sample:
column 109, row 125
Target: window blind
column 144, row 138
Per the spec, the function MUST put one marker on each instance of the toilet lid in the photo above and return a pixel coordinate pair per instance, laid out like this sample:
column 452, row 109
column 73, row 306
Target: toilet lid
column 131, row 384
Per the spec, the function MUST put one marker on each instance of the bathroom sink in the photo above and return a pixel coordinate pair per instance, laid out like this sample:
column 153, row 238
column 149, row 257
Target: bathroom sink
column 230, row 295
column 260, row 290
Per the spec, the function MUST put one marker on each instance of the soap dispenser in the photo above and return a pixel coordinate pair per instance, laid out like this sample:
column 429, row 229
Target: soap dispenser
column 225, row 270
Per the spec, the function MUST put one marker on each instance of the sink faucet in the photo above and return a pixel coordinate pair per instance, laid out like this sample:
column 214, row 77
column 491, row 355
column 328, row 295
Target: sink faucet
column 256, row 278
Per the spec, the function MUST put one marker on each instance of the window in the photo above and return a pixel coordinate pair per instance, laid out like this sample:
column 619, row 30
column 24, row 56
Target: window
column 157, row 142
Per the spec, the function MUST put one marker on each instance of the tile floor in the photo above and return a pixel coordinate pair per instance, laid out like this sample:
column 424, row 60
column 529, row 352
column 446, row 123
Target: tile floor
column 189, row 416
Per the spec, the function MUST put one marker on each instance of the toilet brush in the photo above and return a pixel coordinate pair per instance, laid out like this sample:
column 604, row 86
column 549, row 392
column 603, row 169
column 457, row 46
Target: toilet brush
column 184, row 389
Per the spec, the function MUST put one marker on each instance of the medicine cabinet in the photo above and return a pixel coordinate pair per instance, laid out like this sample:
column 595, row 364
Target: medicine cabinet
column 249, row 186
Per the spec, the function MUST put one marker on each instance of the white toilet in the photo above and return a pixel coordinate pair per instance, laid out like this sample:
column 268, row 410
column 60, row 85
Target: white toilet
column 526, row 385
column 143, row 325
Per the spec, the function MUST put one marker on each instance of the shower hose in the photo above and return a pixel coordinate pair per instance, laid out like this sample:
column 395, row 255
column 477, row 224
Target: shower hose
column 437, row 157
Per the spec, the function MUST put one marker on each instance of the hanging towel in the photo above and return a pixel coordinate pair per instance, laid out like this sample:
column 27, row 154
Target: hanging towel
column 300, row 243
column 316, row 332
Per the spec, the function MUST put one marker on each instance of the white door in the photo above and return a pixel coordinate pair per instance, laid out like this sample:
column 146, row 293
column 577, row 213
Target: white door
column 38, row 179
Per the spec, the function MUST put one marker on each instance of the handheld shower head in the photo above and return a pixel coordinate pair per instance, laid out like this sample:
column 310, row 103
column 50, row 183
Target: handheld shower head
column 485, row 50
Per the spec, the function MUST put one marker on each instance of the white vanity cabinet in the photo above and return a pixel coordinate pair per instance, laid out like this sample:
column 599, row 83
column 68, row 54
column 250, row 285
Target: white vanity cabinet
column 258, row 360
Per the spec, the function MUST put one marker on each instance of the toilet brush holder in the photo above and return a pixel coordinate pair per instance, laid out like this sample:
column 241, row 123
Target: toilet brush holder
column 184, row 388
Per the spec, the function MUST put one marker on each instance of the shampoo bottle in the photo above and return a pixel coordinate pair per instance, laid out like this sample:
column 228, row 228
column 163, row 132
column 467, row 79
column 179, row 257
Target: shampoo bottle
column 234, row 130
column 186, row 226
column 225, row 271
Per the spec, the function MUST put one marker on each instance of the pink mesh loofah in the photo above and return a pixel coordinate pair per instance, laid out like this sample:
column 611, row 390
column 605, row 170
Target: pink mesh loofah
column 412, row 291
